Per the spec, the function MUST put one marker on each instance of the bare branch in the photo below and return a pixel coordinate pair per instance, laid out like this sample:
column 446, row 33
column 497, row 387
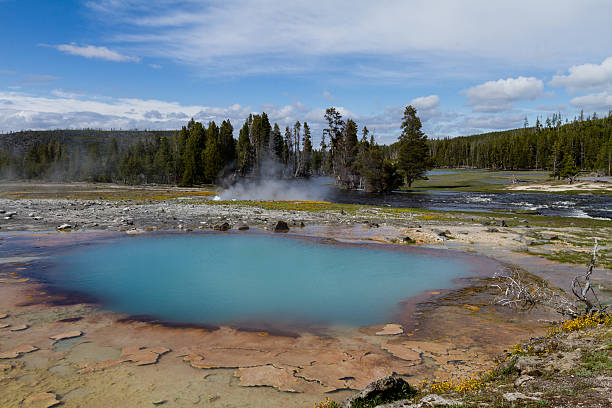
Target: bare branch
column 515, row 291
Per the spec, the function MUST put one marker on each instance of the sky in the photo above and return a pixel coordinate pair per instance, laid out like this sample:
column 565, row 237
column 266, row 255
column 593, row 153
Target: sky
column 467, row 66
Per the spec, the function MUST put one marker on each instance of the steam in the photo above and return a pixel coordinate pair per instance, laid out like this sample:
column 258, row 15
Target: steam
column 277, row 190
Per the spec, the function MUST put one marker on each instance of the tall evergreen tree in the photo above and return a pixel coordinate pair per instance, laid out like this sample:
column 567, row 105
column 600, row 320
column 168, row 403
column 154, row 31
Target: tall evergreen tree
column 277, row 144
column 213, row 155
column 413, row 157
column 307, row 154
column 246, row 153
column 227, row 145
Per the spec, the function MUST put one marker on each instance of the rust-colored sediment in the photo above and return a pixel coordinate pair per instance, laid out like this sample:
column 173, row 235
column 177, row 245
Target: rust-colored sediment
column 95, row 358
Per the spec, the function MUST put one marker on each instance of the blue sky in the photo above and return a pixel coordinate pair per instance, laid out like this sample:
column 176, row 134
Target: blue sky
column 468, row 67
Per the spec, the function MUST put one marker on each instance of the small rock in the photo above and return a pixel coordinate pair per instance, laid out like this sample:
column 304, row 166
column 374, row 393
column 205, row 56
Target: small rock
column 400, row 404
column 385, row 385
column 434, row 400
column 492, row 229
column 445, row 234
column 528, row 365
column 515, row 396
column 3, row 315
column 64, row 227
column 160, row 402
column 222, row 227
column 302, row 225
column 408, row 240
column 21, row 327
column 243, row 227
column 281, row 226
column 522, row 380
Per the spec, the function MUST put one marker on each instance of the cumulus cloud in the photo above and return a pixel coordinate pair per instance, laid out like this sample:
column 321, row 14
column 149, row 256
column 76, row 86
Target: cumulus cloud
column 426, row 106
column 498, row 96
column 599, row 102
column 586, row 77
column 66, row 110
column 97, row 52
column 594, row 78
column 70, row 110
column 61, row 109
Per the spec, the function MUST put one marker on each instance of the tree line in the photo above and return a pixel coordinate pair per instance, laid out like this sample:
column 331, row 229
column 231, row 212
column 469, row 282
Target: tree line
column 556, row 145
column 200, row 154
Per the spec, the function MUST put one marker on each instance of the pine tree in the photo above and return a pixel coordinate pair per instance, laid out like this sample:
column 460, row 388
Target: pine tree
column 246, row 152
column 276, row 141
column 227, row 145
column 307, row 159
column 213, row 155
column 334, row 131
column 413, row 157
column 194, row 147
column 568, row 168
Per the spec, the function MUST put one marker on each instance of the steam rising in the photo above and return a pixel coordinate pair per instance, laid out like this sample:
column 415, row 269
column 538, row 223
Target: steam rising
column 277, row 190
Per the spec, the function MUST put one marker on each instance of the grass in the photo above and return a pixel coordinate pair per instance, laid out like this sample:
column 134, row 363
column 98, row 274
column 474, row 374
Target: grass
column 490, row 181
column 114, row 194
column 428, row 215
column 604, row 257
column 594, row 363
column 475, row 180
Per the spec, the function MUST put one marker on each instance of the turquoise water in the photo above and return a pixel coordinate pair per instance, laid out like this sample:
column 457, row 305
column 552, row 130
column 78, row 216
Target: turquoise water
column 251, row 279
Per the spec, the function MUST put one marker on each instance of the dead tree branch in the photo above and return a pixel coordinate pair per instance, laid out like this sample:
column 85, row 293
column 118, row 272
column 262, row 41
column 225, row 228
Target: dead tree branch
column 516, row 291
column 582, row 289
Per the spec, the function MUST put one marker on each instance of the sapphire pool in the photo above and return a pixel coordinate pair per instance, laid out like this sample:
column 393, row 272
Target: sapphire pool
column 252, row 279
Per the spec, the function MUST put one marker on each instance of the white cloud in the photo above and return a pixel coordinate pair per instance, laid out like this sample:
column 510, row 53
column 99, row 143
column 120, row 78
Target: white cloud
column 64, row 110
column 70, row 110
column 426, row 106
column 586, row 77
column 600, row 102
column 92, row 51
column 498, row 96
column 221, row 31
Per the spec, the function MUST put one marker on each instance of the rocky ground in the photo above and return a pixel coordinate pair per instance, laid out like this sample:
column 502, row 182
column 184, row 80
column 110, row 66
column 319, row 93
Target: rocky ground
column 569, row 367
column 103, row 360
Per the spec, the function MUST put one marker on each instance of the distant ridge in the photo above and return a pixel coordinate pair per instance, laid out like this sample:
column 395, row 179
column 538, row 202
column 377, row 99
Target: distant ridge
column 21, row 142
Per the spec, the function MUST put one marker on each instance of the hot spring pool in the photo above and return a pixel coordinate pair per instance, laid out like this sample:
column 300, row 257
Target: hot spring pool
column 253, row 279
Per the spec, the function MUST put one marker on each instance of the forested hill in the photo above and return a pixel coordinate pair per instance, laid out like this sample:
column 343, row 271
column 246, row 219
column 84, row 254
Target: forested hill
column 18, row 143
column 548, row 145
